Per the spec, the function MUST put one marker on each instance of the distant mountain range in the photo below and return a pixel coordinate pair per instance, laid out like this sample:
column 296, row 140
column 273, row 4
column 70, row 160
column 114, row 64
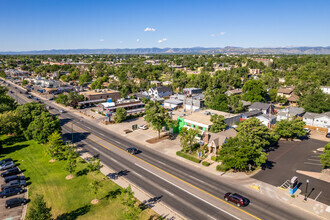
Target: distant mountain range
column 193, row 50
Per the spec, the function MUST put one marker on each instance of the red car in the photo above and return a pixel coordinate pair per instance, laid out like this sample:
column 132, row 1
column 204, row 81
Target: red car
column 237, row 199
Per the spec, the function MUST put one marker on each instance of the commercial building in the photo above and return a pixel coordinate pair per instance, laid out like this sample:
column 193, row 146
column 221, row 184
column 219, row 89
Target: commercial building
column 131, row 106
column 202, row 119
column 101, row 94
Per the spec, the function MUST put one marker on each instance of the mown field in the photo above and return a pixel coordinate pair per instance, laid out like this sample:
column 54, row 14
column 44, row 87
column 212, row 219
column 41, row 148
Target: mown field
column 69, row 199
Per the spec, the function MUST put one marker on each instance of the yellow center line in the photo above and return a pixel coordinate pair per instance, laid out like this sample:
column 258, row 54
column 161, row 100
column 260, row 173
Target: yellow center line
column 165, row 172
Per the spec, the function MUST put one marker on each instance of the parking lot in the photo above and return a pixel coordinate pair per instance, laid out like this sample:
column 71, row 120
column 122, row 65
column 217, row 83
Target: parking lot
column 15, row 212
column 292, row 156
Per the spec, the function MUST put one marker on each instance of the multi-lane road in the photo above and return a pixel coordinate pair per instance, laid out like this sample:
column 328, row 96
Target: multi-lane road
column 185, row 189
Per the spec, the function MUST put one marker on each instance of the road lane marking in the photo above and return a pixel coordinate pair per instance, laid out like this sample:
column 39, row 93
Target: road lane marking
column 318, row 196
column 211, row 217
column 168, row 192
column 163, row 171
column 136, row 173
column 187, row 191
column 161, row 163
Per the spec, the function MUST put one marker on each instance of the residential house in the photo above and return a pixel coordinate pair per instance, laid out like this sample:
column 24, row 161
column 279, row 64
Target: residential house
column 254, row 71
column 264, row 107
column 234, row 92
column 250, row 114
column 166, row 83
column 192, row 91
column 173, row 103
column 319, row 122
column 285, row 91
column 325, row 89
column 160, row 92
column 193, row 103
column 290, row 112
column 293, row 100
column 214, row 141
column 142, row 94
column 267, row 119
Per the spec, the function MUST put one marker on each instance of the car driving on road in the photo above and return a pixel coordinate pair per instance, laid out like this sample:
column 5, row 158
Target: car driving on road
column 132, row 150
column 10, row 203
column 237, row 199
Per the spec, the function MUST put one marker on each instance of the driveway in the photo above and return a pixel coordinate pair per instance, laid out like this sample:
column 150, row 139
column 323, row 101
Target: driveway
column 292, row 156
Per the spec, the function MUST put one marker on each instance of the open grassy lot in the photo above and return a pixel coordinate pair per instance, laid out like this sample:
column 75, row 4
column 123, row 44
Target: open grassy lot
column 69, row 199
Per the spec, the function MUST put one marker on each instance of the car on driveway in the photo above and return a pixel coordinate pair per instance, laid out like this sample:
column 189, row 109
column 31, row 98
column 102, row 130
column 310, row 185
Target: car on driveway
column 237, row 199
column 143, row 127
column 327, row 135
column 10, row 192
column 7, row 165
column 14, row 177
column 14, row 184
column 132, row 150
column 10, row 172
column 10, row 203
column 6, row 160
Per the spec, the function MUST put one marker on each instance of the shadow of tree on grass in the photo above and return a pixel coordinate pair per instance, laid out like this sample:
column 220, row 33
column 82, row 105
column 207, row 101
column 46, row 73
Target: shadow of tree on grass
column 75, row 213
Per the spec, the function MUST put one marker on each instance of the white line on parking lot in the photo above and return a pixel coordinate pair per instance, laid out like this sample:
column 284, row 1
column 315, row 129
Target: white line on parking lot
column 316, row 156
column 313, row 159
column 318, row 164
column 187, row 192
column 17, row 216
column 318, row 196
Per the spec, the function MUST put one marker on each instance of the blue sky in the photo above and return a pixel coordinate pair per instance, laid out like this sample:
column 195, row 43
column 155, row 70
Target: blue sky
column 70, row 24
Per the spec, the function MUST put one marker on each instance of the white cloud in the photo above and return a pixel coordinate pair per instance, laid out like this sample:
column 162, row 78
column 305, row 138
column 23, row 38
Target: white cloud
column 101, row 40
column 162, row 40
column 150, row 29
column 218, row 34
column 137, row 40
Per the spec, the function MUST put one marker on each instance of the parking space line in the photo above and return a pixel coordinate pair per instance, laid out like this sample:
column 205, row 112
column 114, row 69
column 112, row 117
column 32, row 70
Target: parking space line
column 318, row 196
column 313, row 159
column 318, row 164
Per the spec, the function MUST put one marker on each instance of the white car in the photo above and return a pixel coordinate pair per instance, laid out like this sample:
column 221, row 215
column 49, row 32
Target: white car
column 61, row 111
column 144, row 127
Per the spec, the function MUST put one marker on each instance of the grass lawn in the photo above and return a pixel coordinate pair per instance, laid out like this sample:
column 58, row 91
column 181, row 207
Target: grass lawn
column 69, row 199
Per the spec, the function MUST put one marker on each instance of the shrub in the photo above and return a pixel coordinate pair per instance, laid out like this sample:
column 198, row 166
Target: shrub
column 214, row 158
column 188, row 157
column 222, row 168
column 205, row 163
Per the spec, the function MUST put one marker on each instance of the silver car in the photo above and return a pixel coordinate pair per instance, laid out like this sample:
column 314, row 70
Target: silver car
column 7, row 165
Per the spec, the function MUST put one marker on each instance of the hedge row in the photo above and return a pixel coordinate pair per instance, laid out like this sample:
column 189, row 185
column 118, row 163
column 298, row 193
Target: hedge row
column 188, row 157
column 205, row 163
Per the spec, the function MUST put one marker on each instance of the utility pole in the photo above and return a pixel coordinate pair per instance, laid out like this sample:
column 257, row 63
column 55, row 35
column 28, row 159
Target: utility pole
column 270, row 110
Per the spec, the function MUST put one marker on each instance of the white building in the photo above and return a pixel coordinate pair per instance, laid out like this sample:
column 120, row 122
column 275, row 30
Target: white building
column 290, row 112
column 317, row 120
column 265, row 119
column 160, row 92
column 325, row 89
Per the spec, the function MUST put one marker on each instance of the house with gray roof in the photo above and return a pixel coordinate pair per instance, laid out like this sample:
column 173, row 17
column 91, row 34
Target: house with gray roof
column 264, row 107
column 214, row 141
column 251, row 114
column 160, row 92
column 267, row 119
column 317, row 120
column 290, row 112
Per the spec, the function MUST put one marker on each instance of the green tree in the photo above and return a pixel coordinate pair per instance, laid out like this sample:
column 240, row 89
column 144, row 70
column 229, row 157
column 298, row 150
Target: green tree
column 253, row 133
column 95, row 185
column 9, row 123
column 71, row 156
column 290, row 128
column 39, row 209
column 42, row 127
column 132, row 210
column 318, row 102
column 273, row 95
column 120, row 115
column 94, row 165
column 24, row 82
column 84, row 78
column 7, row 103
column 156, row 116
column 216, row 100
column 218, row 123
column 235, row 105
column 188, row 138
column 55, row 144
column 62, row 99
column 253, row 91
column 325, row 158
column 28, row 112
column 74, row 98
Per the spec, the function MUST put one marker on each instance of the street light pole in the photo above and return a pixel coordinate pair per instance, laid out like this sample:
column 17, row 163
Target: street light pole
column 307, row 181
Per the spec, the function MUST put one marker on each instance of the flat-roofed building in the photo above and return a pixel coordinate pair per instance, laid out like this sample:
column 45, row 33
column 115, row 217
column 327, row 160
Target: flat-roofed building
column 101, row 94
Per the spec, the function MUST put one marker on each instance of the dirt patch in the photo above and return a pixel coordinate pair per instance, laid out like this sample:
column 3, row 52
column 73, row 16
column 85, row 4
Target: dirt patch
column 156, row 139
column 69, row 177
column 52, row 160
column 95, row 201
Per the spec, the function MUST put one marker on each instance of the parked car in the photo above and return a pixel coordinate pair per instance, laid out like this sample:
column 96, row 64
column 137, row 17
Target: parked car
column 61, row 111
column 13, row 177
column 327, row 135
column 237, row 199
column 7, row 165
column 51, row 99
column 10, row 172
column 36, row 98
column 132, row 150
column 10, row 192
column 6, row 160
column 144, row 127
column 10, row 203
column 14, row 184
column 307, row 130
